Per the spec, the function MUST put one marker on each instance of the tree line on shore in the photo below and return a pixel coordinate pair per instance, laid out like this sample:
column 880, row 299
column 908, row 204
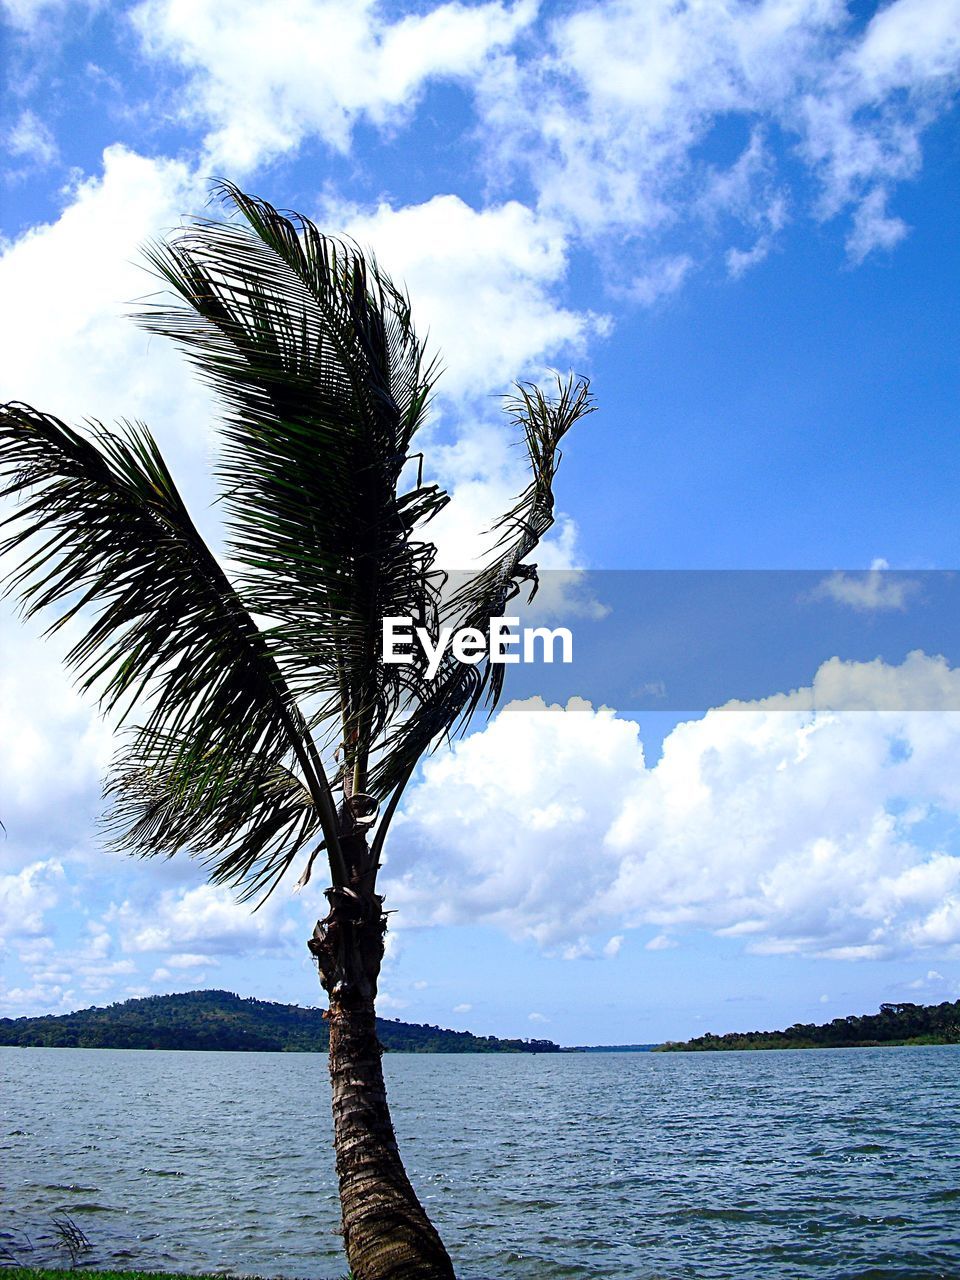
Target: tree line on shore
column 220, row 1020
column 903, row 1023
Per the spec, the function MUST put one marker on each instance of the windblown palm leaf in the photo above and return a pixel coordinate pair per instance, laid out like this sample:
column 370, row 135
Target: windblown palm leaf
column 104, row 525
column 270, row 725
column 458, row 690
column 312, row 351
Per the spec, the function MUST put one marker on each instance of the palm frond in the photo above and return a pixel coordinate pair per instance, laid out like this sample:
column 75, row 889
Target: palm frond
column 101, row 527
column 445, row 706
column 544, row 422
column 248, row 826
column 324, row 384
column 312, row 351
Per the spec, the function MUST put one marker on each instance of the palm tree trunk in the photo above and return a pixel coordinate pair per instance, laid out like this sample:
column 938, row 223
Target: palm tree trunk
column 387, row 1234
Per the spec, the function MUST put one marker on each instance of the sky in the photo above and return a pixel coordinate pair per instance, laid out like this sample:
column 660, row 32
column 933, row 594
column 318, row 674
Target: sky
column 739, row 219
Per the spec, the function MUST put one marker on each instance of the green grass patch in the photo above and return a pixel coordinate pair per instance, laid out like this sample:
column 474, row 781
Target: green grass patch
column 71, row 1273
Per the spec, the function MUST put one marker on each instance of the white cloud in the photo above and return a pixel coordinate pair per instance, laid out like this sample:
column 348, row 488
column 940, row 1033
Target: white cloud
column 462, row 1008
column 608, row 122
column 30, row 139
column 873, row 228
column 26, row 897
column 55, row 974
column 861, row 127
column 481, row 283
column 909, row 41
column 387, row 1001
column 191, row 925
column 920, row 684
column 749, row 192
column 97, row 978
column 591, row 756
column 579, row 949
column 740, row 261
column 662, row 942
column 661, row 279
column 99, row 942
column 484, row 471
column 606, row 115
column 189, row 960
column 537, row 1017
column 71, row 349
column 612, row 946
column 36, row 999
column 53, row 747
column 795, row 830
column 932, row 983
column 68, row 287
column 265, row 74
column 35, row 951
column 875, row 591
column 31, row 17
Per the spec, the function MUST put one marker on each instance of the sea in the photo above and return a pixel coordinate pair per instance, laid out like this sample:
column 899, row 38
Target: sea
column 838, row 1164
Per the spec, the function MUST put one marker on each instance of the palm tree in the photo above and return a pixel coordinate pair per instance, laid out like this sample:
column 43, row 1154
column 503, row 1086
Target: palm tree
column 261, row 725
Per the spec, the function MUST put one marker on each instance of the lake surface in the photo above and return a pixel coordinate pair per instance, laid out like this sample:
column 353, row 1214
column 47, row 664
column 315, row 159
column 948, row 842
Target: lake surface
column 840, row 1164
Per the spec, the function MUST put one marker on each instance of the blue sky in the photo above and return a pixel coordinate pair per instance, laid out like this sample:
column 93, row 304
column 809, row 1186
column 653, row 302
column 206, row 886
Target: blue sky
column 740, row 221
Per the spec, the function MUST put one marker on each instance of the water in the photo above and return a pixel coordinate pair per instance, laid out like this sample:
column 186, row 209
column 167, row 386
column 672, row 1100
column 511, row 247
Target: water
column 834, row 1164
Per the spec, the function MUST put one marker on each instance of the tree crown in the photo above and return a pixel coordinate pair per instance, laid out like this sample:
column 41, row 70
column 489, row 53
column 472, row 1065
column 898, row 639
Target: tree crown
column 267, row 725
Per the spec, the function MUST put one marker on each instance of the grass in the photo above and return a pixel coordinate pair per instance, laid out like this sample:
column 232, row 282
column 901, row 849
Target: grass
column 71, row 1273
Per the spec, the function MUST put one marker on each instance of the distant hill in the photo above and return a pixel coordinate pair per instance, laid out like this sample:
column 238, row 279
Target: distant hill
column 894, row 1024
column 224, row 1021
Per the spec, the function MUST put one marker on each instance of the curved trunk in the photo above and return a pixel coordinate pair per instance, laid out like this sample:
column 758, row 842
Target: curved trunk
column 387, row 1234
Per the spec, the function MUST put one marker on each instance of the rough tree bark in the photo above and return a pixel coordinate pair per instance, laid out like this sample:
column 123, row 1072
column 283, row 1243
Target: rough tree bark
column 386, row 1232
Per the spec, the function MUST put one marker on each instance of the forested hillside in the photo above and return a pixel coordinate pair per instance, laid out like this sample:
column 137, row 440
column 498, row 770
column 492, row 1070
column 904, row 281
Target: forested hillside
column 894, row 1024
column 222, row 1020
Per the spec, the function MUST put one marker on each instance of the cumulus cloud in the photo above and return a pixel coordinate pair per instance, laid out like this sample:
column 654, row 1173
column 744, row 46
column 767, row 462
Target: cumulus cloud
column 192, row 925
column 54, row 975
column 68, row 287
column 481, row 283
column 35, row 999
column 265, row 74
column 26, row 897
column 53, row 747
column 792, row 829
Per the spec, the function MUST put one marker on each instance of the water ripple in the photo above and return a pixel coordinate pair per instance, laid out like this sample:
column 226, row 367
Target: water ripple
column 752, row 1166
